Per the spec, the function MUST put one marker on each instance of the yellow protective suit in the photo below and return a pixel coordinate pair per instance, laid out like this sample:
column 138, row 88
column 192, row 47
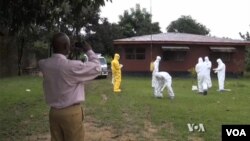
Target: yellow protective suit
column 116, row 73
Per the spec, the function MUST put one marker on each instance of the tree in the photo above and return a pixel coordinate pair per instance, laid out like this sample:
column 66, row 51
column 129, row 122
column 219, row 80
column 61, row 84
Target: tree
column 20, row 18
column 245, row 36
column 137, row 22
column 186, row 24
column 18, row 13
column 102, row 39
column 247, row 60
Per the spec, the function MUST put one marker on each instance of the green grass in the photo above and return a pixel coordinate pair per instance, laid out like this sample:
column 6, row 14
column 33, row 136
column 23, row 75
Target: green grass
column 130, row 109
column 22, row 113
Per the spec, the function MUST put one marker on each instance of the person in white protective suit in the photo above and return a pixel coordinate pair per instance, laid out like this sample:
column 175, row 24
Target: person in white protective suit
column 220, row 70
column 155, row 69
column 201, row 69
column 163, row 80
column 208, row 71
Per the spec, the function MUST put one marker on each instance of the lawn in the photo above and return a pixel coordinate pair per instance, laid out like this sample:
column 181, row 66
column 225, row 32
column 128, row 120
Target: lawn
column 134, row 112
column 22, row 113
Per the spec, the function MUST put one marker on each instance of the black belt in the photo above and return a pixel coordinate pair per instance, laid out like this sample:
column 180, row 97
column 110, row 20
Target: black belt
column 75, row 104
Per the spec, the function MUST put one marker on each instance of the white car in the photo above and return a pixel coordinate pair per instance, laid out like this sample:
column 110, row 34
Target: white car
column 104, row 66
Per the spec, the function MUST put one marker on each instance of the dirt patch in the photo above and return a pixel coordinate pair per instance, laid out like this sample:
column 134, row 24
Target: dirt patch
column 40, row 137
column 104, row 99
column 105, row 133
column 94, row 131
column 150, row 130
column 195, row 138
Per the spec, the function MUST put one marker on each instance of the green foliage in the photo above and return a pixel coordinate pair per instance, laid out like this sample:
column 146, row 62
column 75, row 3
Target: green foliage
column 247, row 59
column 63, row 14
column 26, row 20
column 245, row 37
column 137, row 22
column 41, row 49
column 102, row 39
column 192, row 72
column 69, row 16
column 186, row 24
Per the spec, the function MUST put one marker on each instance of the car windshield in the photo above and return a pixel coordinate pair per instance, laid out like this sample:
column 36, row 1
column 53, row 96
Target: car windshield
column 102, row 61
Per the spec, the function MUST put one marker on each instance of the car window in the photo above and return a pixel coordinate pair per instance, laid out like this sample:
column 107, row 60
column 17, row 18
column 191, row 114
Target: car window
column 102, row 61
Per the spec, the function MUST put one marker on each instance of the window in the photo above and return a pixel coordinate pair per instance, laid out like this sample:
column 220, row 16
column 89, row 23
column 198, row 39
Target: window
column 135, row 53
column 130, row 53
column 222, row 49
column 174, row 55
column 224, row 53
column 224, row 56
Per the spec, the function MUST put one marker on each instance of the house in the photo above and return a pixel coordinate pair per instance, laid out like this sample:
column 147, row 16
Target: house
column 179, row 52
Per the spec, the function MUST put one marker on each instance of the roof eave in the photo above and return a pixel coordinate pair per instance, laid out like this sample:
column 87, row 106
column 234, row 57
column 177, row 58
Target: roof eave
column 183, row 43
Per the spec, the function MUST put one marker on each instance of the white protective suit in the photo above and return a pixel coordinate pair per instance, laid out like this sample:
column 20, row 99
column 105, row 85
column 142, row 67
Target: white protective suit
column 220, row 70
column 156, row 69
column 201, row 69
column 208, row 71
column 163, row 80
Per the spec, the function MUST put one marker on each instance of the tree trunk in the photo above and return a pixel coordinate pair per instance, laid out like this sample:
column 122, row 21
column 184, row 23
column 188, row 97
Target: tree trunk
column 20, row 56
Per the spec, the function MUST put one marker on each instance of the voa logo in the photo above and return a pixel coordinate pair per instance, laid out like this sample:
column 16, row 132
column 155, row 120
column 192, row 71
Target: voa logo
column 195, row 127
column 236, row 132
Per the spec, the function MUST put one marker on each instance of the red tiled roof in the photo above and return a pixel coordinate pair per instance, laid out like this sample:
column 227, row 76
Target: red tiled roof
column 180, row 38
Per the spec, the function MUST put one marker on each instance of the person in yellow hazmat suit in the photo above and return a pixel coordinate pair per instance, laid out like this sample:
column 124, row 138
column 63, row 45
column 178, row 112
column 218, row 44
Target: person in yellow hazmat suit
column 116, row 73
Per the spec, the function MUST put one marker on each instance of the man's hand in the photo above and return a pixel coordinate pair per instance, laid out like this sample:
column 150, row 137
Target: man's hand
column 86, row 46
